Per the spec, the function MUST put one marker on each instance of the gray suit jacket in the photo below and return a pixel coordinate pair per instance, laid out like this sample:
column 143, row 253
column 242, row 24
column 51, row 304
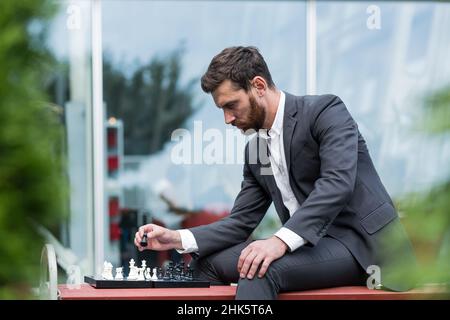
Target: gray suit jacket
column 333, row 179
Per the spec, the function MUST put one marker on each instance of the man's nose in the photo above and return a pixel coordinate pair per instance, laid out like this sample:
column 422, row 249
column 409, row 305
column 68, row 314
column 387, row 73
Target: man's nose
column 229, row 118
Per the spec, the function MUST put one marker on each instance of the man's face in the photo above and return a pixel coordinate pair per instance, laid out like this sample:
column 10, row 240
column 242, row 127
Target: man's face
column 240, row 108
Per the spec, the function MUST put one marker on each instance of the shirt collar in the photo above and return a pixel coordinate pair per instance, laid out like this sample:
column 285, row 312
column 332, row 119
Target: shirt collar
column 277, row 125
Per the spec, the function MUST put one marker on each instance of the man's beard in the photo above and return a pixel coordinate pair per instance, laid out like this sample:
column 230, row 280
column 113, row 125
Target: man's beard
column 255, row 117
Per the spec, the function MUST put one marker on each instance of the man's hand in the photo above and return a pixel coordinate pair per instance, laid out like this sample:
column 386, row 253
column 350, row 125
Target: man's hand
column 261, row 251
column 158, row 238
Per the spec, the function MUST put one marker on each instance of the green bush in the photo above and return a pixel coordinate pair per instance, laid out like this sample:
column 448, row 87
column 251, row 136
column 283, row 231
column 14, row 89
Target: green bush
column 427, row 214
column 31, row 171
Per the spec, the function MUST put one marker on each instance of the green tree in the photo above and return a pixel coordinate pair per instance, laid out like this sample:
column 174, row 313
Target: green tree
column 152, row 103
column 31, row 188
column 428, row 213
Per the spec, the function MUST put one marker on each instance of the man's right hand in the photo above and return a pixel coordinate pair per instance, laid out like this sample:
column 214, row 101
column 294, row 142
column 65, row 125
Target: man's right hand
column 158, row 238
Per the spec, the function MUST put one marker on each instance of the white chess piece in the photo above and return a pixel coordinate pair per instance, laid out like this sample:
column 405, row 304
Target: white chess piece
column 107, row 271
column 154, row 275
column 140, row 274
column 132, row 275
column 110, row 271
column 147, row 274
column 119, row 275
column 144, row 264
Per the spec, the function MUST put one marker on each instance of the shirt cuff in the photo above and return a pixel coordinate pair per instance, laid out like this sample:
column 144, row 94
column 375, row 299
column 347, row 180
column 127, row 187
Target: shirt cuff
column 292, row 240
column 187, row 241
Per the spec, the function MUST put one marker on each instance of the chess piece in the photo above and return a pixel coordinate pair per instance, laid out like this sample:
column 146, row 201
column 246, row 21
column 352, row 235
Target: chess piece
column 119, row 275
column 133, row 274
column 143, row 264
column 140, row 274
column 190, row 274
column 147, row 274
column 107, row 271
column 144, row 241
column 154, row 275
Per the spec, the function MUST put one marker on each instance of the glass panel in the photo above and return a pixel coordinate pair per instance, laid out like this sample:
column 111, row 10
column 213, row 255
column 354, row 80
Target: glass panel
column 155, row 53
column 383, row 75
column 389, row 63
column 70, row 42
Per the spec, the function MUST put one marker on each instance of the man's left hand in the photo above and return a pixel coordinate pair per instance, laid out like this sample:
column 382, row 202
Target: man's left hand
column 260, row 252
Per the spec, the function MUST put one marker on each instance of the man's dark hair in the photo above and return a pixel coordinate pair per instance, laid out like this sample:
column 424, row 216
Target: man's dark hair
column 238, row 64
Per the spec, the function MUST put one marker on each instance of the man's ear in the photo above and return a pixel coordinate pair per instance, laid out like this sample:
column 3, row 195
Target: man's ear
column 260, row 84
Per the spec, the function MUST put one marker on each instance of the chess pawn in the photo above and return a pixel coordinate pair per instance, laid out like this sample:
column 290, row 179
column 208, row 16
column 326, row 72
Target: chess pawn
column 154, row 275
column 147, row 274
column 119, row 275
column 140, row 274
column 190, row 274
column 144, row 264
column 167, row 276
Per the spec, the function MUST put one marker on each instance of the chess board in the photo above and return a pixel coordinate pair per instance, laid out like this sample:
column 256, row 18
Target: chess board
column 171, row 276
column 100, row 283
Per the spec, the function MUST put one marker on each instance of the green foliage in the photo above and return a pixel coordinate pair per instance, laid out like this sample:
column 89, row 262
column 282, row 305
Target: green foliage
column 438, row 109
column 152, row 103
column 428, row 213
column 30, row 166
column 428, row 223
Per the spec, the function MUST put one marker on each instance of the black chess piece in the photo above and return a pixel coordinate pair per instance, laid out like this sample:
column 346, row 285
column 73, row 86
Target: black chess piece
column 190, row 274
column 177, row 273
column 183, row 275
column 144, row 241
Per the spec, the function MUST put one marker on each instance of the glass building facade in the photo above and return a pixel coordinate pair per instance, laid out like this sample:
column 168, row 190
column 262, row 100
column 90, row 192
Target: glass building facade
column 384, row 59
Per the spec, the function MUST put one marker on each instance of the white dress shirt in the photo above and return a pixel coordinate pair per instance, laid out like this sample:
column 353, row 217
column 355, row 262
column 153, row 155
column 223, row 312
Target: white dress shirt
column 274, row 137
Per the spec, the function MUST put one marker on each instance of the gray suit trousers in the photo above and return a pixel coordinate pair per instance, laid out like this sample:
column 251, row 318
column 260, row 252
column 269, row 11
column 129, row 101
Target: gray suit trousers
column 328, row 264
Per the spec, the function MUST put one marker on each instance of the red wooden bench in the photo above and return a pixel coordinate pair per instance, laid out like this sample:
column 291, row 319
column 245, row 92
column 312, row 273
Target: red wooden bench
column 86, row 292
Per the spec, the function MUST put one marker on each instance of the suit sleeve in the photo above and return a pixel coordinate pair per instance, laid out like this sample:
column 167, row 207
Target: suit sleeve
column 337, row 135
column 248, row 210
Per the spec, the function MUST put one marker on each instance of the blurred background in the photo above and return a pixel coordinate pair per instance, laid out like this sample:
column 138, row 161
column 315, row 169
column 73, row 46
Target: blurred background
column 91, row 93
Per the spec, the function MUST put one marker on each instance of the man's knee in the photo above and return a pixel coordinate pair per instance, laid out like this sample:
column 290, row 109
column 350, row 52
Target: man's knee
column 265, row 287
column 221, row 266
column 201, row 267
column 207, row 269
column 272, row 275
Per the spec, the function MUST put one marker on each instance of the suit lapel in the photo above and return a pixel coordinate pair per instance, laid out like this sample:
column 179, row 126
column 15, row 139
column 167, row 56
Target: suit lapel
column 289, row 123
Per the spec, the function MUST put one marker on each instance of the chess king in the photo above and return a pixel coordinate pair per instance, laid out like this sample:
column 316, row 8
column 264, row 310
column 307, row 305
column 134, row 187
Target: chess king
column 308, row 158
